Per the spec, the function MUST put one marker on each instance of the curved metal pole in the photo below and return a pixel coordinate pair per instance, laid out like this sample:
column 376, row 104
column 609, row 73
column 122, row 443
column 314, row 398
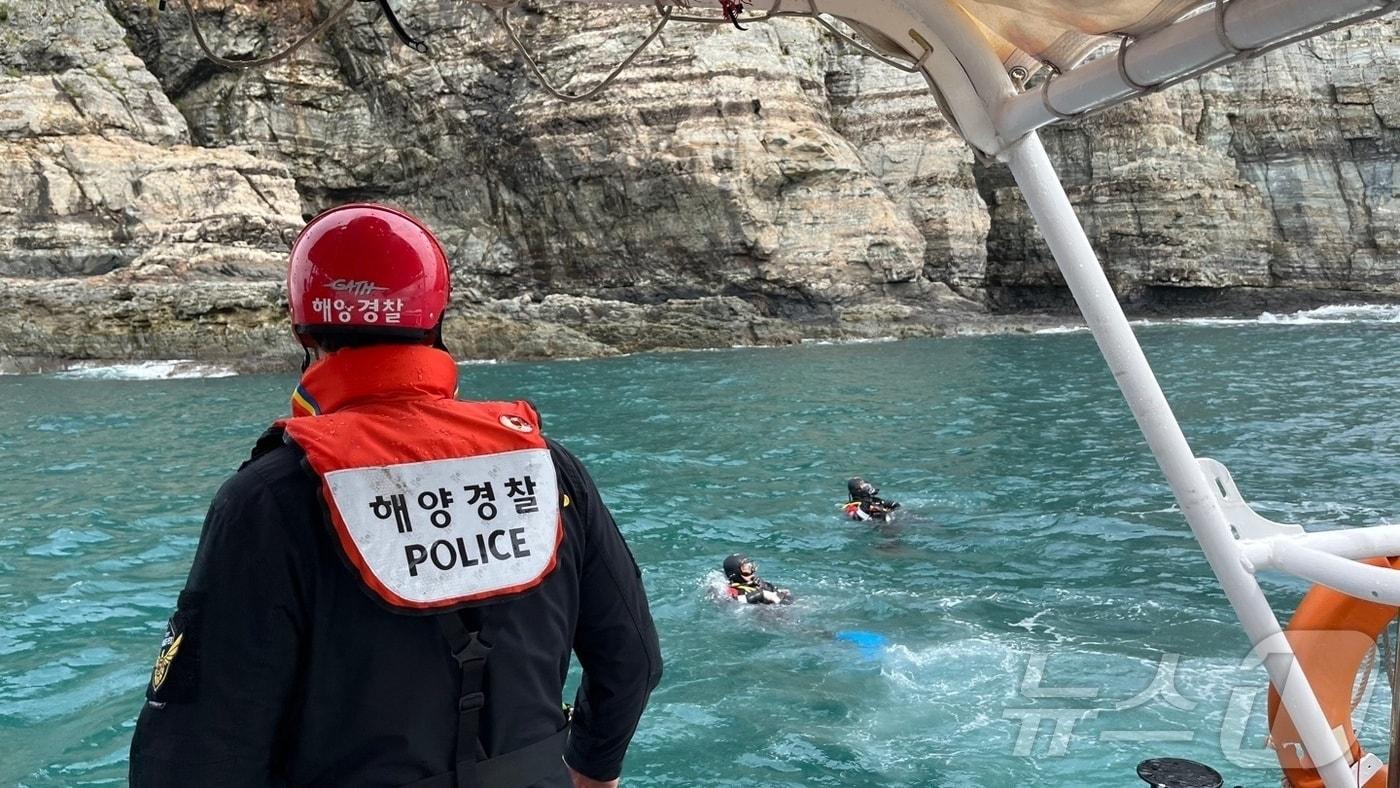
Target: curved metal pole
column 1363, row 581
column 1085, row 277
column 1372, row 542
column 953, row 28
column 1180, row 51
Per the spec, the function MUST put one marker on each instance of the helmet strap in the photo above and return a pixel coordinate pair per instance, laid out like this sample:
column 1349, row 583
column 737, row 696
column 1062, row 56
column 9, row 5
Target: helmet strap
column 437, row 335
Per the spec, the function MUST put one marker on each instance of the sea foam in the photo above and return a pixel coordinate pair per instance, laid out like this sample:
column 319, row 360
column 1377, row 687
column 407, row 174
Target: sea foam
column 1354, row 314
column 145, row 370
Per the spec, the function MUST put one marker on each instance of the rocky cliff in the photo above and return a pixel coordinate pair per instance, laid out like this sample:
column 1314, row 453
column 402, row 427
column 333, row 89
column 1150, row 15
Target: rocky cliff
column 1266, row 180
column 732, row 188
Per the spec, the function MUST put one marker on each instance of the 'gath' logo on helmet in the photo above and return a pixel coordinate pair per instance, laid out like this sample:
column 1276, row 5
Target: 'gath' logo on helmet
column 516, row 423
column 356, row 286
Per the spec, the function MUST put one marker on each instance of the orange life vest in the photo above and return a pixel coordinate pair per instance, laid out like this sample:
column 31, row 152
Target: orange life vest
column 435, row 502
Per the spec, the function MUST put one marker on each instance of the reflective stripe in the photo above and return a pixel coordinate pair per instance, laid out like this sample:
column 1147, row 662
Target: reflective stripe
column 435, row 503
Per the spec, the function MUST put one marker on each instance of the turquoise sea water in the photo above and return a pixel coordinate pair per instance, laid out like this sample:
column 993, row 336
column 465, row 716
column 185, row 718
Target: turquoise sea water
column 1040, row 577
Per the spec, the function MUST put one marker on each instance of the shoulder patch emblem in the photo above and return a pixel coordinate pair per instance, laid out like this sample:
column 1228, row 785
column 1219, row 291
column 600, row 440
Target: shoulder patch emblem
column 175, row 676
column 516, row 423
column 168, row 651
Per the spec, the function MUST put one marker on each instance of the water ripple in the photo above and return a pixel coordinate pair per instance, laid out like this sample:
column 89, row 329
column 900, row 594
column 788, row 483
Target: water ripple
column 1037, row 535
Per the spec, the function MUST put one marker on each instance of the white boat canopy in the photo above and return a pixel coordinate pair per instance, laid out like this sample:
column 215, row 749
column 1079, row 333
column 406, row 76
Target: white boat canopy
column 979, row 57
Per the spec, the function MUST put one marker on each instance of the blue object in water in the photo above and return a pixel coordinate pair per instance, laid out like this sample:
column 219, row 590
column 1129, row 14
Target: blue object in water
column 870, row 644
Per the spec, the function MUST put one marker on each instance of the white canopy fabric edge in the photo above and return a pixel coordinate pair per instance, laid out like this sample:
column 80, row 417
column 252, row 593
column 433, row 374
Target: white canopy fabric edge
column 978, row 54
column 1061, row 33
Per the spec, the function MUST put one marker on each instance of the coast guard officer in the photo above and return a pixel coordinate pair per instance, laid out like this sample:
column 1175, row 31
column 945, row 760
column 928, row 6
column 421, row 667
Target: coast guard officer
column 387, row 593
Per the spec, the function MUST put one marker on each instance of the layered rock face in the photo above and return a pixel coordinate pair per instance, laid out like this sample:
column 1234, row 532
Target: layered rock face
column 118, row 237
column 731, row 188
column 1274, row 177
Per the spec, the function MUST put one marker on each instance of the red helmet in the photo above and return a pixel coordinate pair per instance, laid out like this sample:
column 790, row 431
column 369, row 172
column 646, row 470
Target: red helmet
column 365, row 267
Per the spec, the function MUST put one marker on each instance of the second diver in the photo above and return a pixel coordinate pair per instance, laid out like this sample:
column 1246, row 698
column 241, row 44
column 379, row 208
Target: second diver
column 744, row 583
column 864, row 502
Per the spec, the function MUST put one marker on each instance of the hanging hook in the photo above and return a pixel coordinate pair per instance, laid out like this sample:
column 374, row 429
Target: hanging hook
column 408, row 39
column 732, row 9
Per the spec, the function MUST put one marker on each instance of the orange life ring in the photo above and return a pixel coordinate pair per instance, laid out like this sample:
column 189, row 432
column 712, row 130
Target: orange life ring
column 1331, row 634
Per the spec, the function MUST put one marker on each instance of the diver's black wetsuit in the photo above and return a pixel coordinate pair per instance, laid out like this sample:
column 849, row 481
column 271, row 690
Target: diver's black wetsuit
column 864, row 503
column 873, row 508
column 753, row 592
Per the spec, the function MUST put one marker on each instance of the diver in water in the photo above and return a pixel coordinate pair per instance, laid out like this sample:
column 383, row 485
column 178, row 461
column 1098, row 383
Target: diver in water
column 865, row 503
column 745, row 584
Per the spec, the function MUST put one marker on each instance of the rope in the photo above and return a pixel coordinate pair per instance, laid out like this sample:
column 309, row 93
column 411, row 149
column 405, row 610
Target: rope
column 1363, row 682
column 668, row 15
column 732, row 9
column 266, row 61
column 814, row 13
column 1392, row 666
column 503, row 16
column 908, row 68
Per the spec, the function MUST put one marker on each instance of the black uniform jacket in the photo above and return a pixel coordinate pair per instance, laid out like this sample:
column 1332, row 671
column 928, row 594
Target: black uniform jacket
column 279, row 668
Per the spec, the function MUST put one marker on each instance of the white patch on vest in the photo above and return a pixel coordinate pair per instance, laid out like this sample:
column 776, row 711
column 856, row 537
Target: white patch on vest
column 431, row 532
column 516, row 423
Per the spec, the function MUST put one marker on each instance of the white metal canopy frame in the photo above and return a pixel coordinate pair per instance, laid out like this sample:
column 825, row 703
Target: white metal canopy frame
column 976, row 56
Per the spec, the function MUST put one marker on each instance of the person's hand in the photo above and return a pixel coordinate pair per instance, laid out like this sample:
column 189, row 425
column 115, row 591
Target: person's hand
column 588, row 782
column 771, row 597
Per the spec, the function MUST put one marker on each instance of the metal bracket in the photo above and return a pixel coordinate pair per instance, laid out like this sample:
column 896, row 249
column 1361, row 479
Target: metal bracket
column 1245, row 523
column 1363, row 770
column 1368, row 767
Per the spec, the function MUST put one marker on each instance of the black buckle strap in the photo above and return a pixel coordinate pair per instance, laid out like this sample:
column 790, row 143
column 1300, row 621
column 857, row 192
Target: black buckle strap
column 472, row 702
column 470, row 652
column 526, row 766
